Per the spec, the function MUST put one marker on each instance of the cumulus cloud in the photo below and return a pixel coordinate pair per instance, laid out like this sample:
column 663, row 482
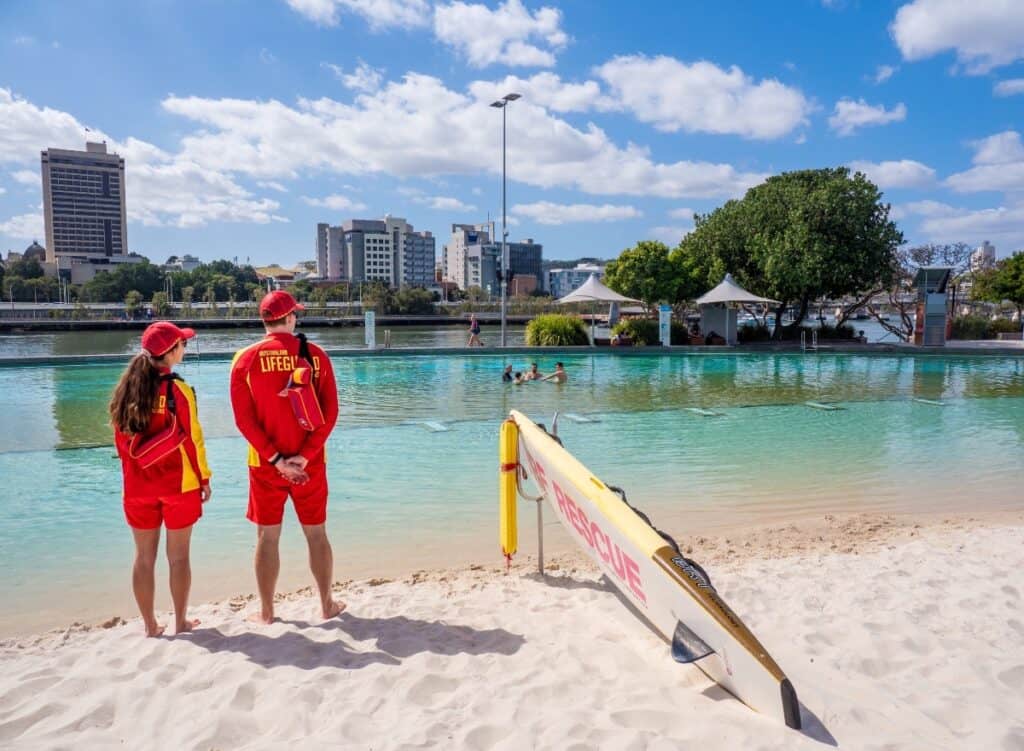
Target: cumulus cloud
column 999, row 165
column 365, row 78
column 548, row 90
column 23, row 226
column 545, row 212
column 509, row 34
column 682, row 213
column 849, row 115
column 271, row 185
column 163, row 188
column 417, row 127
column 335, row 202
column 1009, row 87
column 379, row 14
column 985, row 34
column 884, row 73
column 904, row 173
column 444, row 203
column 669, row 235
column 701, row 97
column 27, row 177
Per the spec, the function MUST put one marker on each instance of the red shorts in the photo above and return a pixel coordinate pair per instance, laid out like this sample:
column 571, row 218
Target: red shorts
column 175, row 511
column 268, row 491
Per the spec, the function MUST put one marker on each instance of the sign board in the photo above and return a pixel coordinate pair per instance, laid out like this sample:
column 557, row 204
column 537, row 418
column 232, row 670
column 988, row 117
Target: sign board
column 369, row 322
column 665, row 324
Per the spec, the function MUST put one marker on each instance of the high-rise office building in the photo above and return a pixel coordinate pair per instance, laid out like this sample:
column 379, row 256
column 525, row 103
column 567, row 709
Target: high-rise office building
column 84, row 204
column 983, row 257
column 472, row 259
column 387, row 250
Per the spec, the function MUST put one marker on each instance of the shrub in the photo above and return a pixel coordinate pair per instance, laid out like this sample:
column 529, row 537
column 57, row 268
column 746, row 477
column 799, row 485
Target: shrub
column 753, row 333
column 556, row 330
column 828, row 331
column 640, row 331
column 981, row 327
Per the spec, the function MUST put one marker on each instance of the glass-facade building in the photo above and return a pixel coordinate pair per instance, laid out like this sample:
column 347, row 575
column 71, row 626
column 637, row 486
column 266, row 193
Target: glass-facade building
column 84, row 203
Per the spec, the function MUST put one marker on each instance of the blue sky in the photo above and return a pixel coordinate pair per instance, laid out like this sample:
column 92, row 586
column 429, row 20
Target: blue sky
column 245, row 123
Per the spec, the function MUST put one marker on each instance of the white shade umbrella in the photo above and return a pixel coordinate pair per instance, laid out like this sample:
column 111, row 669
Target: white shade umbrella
column 593, row 290
column 730, row 292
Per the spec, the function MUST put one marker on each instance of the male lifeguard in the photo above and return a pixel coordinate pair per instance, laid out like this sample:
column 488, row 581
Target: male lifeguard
column 285, row 459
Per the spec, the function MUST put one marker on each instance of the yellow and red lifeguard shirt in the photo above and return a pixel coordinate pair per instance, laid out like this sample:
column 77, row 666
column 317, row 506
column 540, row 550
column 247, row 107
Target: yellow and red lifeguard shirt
column 182, row 471
column 259, row 373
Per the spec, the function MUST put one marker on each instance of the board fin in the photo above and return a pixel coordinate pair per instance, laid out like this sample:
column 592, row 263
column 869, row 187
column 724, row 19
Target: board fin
column 790, row 705
column 687, row 646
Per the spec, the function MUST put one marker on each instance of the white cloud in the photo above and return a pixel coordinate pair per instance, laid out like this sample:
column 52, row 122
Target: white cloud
column 849, row 115
column 545, row 212
column 509, row 34
column 24, row 40
column 701, row 97
column 162, row 188
column 683, row 213
column 999, row 165
column 366, row 78
column 1009, row 87
column 23, row 226
column 27, row 177
column 445, row 203
column 669, row 235
column 267, row 57
column 1003, row 225
column 884, row 73
column 335, row 202
column 984, row 33
column 379, row 14
column 271, row 185
column 904, row 173
column 548, row 90
column 418, row 127
column 2, row 190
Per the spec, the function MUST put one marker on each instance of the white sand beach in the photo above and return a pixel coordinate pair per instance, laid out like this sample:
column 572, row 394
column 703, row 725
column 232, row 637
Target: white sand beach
column 896, row 634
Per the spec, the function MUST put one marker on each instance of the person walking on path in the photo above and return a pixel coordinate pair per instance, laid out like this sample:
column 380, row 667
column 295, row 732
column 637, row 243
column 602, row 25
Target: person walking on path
column 286, row 450
column 163, row 463
column 474, row 331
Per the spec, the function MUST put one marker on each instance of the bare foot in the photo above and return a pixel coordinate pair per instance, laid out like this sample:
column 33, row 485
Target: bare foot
column 186, row 625
column 154, row 629
column 332, row 609
column 261, row 618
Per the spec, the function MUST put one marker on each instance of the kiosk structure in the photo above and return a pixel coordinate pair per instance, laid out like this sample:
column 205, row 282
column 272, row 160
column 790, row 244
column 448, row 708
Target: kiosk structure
column 932, row 324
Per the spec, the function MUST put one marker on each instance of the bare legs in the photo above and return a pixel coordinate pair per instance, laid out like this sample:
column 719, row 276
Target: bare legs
column 178, row 541
column 143, row 578
column 268, row 566
column 147, row 541
column 321, row 563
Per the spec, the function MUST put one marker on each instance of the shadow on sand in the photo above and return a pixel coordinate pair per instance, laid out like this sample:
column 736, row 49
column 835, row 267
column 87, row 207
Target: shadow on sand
column 396, row 637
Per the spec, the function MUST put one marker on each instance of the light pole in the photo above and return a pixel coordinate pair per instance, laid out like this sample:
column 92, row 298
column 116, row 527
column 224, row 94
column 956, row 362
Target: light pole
column 502, row 104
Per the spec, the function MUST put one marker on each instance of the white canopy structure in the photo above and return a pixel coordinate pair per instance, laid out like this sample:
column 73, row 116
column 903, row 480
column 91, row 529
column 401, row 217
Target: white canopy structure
column 715, row 306
column 594, row 291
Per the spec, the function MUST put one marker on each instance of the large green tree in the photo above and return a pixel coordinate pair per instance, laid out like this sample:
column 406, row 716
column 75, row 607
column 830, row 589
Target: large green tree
column 800, row 237
column 646, row 273
column 1003, row 283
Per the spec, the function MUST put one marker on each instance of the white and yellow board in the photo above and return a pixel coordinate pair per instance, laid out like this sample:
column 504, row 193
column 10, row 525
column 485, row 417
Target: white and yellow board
column 671, row 591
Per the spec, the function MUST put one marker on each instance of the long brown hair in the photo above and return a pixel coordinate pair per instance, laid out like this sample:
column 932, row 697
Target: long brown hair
column 135, row 396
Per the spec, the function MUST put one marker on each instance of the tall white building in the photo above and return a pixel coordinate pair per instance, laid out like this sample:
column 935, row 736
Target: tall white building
column 561, row 282
column 387, row 250
column 983, row 257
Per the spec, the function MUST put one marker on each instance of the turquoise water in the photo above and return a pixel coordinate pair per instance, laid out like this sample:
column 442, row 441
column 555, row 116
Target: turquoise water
column 406, row 497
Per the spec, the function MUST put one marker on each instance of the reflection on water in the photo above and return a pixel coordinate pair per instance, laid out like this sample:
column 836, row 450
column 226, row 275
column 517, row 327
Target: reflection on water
column 405, row 497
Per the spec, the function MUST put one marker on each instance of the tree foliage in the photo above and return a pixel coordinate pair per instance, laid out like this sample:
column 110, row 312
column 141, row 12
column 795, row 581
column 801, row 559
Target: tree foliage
column 1005, row 282
column 646, row 273
column 800, row 237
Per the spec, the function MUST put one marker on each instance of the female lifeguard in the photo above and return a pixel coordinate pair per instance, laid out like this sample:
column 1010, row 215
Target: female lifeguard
column 163, row 460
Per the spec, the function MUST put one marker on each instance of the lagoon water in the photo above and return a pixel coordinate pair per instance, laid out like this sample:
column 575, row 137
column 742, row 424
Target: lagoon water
column 407, row 496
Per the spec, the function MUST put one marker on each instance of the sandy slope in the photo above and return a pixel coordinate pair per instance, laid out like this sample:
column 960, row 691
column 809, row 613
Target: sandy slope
column 912, row 639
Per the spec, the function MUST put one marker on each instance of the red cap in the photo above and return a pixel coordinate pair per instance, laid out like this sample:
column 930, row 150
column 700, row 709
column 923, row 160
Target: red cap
column 276, row 305
column 159, row 337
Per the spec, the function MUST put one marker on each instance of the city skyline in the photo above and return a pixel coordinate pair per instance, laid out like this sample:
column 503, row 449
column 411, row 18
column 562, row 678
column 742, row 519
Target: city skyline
column 247, row 142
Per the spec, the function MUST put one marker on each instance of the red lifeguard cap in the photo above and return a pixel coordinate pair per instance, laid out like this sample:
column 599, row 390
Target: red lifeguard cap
column 159, row 337
column 277, row 304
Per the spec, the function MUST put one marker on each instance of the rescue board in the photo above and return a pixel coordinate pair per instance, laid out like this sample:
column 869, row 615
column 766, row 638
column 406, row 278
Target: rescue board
column 670, row 590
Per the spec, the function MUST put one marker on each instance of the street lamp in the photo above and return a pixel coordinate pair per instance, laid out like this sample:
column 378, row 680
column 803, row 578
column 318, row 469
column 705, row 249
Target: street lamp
column 502, row 104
